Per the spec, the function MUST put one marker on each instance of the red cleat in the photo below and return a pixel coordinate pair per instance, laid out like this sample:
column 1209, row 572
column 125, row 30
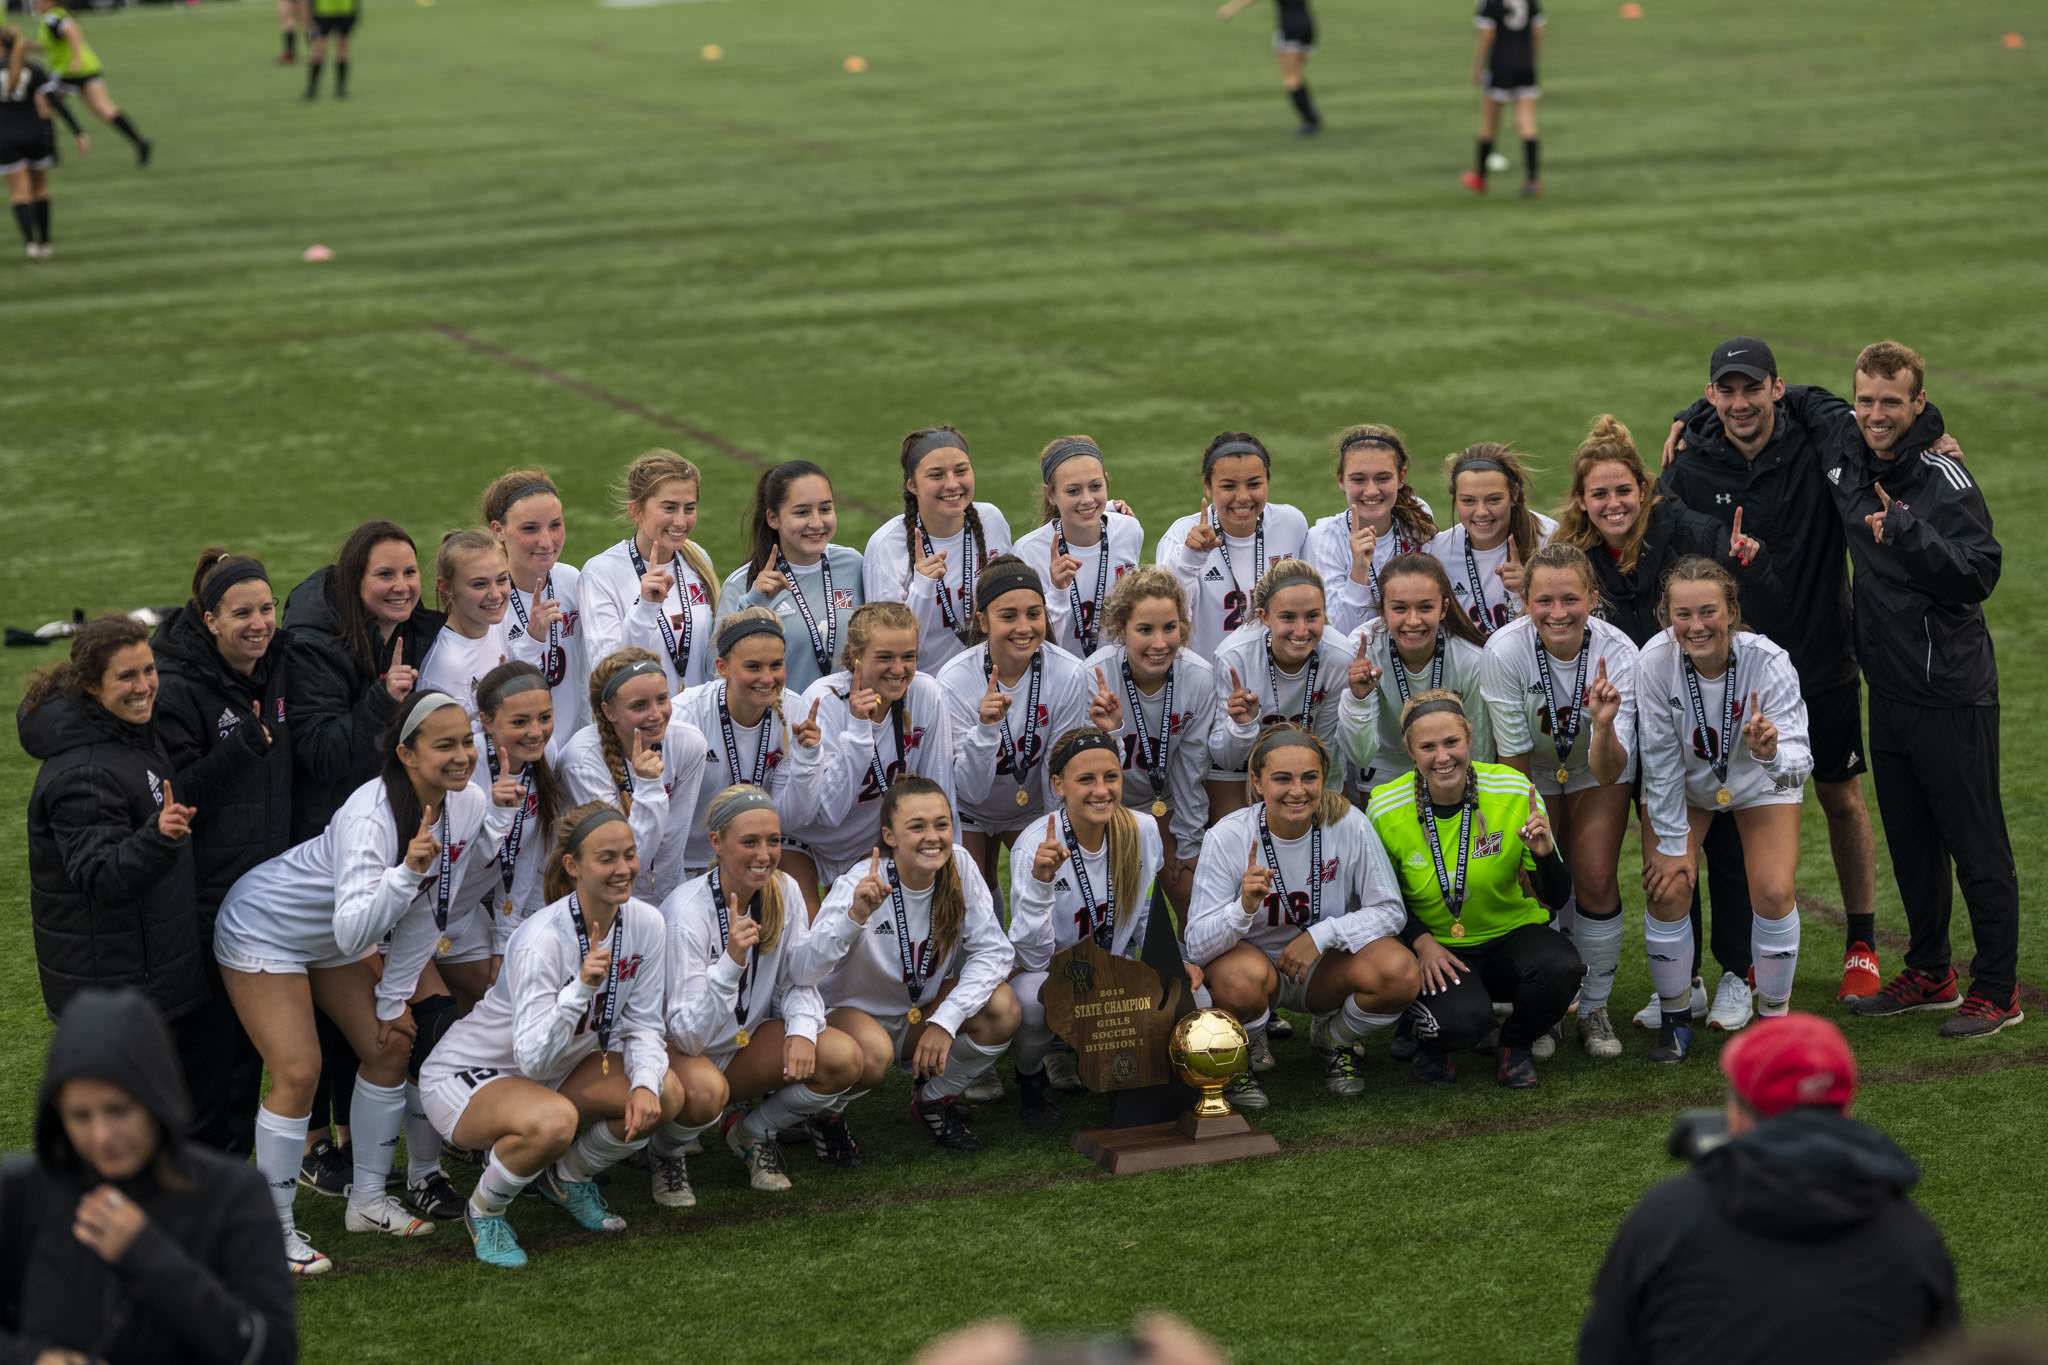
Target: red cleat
column 1473, row 181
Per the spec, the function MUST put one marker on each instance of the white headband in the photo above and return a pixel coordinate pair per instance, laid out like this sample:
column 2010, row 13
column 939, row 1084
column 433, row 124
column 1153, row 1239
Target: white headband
column 434, row 701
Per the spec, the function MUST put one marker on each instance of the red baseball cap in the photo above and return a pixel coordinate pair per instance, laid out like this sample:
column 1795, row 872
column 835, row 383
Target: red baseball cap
column 1782, row 1063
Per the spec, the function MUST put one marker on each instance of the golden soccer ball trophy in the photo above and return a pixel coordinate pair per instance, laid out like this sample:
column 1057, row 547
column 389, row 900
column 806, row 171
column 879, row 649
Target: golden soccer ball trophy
column 1207, row 1048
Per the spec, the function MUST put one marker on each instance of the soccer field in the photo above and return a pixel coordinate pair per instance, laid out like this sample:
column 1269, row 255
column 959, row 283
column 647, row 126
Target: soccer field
column 562, row 236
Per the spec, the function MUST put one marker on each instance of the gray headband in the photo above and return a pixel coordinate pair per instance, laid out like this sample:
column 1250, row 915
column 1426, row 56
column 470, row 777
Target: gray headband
column 639, row 668
column 589, row 825
column 945, row 438
column 1061, row 453
column 529, row 490
column 431, row 702
column 737, row 630
column 1306, row 574
column 1236, row 448
column 522, row 681
column 1483, row 465
column 730, row 806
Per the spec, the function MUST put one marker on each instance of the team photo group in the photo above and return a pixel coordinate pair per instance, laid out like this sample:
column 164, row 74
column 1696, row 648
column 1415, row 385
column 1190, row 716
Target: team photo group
column 552, row 870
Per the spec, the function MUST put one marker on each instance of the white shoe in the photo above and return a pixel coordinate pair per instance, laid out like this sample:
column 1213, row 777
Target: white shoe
column 29, row 252
column 1061, row 1071
column 762, row 1158
column 1651, row 1016
column 300, row 1256
column 670, row 1182
column 1545, row 1046
column 1596, row 1033
column 386, row 1215
column 987, row 1088
column 1731, row 1004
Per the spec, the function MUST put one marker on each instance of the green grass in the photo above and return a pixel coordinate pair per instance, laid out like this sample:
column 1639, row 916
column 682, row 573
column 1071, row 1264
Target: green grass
column 562, row 237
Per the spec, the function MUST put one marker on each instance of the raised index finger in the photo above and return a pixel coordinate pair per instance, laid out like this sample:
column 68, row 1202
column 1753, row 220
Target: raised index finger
column 1737, row 527
column 1235, row 684
column 1048, row 829
column 812, row 719
column 875, row 862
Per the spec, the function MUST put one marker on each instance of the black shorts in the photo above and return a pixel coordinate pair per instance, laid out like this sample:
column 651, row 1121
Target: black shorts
column 1834, row 726
column 75, row 85
column 38, row 154
column 324, row 24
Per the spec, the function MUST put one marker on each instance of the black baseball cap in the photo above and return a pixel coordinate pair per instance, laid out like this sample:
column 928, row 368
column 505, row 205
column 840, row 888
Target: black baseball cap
column 1743, row 355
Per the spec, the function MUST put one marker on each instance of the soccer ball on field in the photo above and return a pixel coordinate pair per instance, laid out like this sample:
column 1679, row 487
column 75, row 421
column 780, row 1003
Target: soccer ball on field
column 1497, row 162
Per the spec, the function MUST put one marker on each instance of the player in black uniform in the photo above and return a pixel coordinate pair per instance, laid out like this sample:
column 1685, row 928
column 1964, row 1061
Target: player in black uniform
column 1504, row 69
column 1292, row 42
column 27, row 146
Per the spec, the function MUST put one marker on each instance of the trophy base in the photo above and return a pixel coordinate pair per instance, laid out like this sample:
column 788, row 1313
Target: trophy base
column 1186, row 1141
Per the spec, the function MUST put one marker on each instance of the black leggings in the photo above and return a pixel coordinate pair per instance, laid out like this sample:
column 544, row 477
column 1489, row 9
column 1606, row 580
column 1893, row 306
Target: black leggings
column 1535, row 968
column 1727, row 883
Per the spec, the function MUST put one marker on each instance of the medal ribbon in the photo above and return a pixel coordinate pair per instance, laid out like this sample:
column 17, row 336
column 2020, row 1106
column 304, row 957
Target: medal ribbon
column 1308, row 682
column 1315, row 870
column 606, row 1007
column 1483, row 616
column 678, row 645
column 1151, row 752
column 444, row 881
column 1399, row 671
column 1089, row 637
column 743, row 1005
column 1020, row 756
column 1223, row 547
column 822, row 641
column 876, row 767
column 732, row 748
column 968, row 565
column 917, row 967
column 1562, row 738
column 1724, row 749
column 1101, row 930
column 557, row 661
column 1453, row 891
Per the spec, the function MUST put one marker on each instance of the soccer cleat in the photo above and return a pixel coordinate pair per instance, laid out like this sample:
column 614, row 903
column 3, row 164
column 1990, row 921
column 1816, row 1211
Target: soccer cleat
column 1861, row 976
column 1981, row 1016
column 495, row 1242
column 944, row 1121
column 1516, row 1069
column 435, row 1196
column 1061, row 1071
column 287, row 58
column 762, row 1158
column 1278, row 1029
column 1674, row 1040
column 1731, row 1004
column 581, row 1198
column 386, row 1215
column 1035, row 1109
column 1340, row 1071
column 987, row 1088
column 832, row 1140
column 300, row 1256
column 143, row 150
column 1243, row 1091
column 1532, row 189
column 468, row 1156
column 1402, row 1047
column 29, row 252
column 1545, row 1046
column 1651, row 1016
column 1596, row 1033
column 328, row 1169
column 669, row 1181
column 1309, row 129
column 1260, row 1056
column 1473, row 181
column 1433, row 1066
column 1910, row 991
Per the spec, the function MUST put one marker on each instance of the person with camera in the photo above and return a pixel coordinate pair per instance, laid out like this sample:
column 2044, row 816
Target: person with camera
column 1794, row 1212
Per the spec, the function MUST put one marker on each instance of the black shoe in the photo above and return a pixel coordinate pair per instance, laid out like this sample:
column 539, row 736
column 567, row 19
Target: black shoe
column 944, row 1120
column 328, row 1169
column 833, row 1141
column 435, row 1198
column 1433, row 1066
column 468, row 1156
column 1517, row 1069
column 1309, row 129
column 1402, row 1048
column 142, row 151
column 1035, row 1108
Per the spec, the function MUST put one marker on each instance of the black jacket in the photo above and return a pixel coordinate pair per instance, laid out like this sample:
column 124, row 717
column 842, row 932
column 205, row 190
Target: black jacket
column 1674, row 532
column 236, row 771
column 1785, row 504
column 1796, row 1241
column 205, row 1280
column 339, row 709
column 112, row 899
column 1919, row 594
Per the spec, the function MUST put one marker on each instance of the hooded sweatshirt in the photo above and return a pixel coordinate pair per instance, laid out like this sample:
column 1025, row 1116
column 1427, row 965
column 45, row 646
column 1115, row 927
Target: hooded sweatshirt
column 111, row 898
column 203, row 1280
column 1746, row 1256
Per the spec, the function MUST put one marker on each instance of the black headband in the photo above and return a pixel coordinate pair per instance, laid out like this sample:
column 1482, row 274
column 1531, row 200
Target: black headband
column 230, row 572
column 1236, row 448
column 529, row 490
column 1008, row 579
column 639, row 668
column 945, row 438
column 522, row 681
column 1355, row 442
column 588, row 825
column 1483, row 465
column 1061, row 453
column 1439, row 706
column 734, row 631
column 1069, row 750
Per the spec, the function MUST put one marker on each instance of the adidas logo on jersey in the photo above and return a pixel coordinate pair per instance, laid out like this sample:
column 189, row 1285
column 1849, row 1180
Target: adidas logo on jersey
column 1061, row 884
column 1854, row 759
column 227, row 723
column 883, row 928
column 1215, row 575
column 156, row 786
column 1835, row 475
column 1416, row 860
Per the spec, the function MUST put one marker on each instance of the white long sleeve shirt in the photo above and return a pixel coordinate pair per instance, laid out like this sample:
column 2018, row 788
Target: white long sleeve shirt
column 1352, row 604
column 1189, row 734
column 1220, row 592
column 615, row 616
column 789, row 769
column 664, row 808
column 1046, row 917
column 1246, row 652
column 1361, row 898
column 984, row 775
column 525, row 844
column 457, row 663
column 1125, row 546
column 863, row 758
column 1370, row 729
column 1520, row 714
column 560, row 656
column 829, row 610
column 711, row 998
column 1493, row 606
column 1677, row 757
column 889, row 574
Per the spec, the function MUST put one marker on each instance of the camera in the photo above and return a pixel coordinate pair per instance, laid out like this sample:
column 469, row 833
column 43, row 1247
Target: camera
column 1696, row 1132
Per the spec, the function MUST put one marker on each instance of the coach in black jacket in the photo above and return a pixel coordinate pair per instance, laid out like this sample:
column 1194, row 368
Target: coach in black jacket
column 1926, row 560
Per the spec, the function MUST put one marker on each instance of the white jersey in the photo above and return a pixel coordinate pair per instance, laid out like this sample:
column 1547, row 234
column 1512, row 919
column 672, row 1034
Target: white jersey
column 831, row 589
column 1351, row 603
column 457, row 663
column 984, row 768
column 559, row 654
column 711, row 998
column 1493, row 606
column 1247, row 652
column 524, row 850
column 1360, row 896
column 1371, row 728
column 1047, row 917
column 1189, row 734
column 1219, row 584
column 787, row 770
column 1125, row 543
column 889, row 574
column 861, row 965
column 615, row 616
column 1677, row 752
column 862, row 761
column 1520, row 714
column 539, row 1021
column 664, row 808
column 334, row 897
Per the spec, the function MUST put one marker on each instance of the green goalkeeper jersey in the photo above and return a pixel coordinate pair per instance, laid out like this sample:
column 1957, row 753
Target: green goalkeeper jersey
column 1496, row 901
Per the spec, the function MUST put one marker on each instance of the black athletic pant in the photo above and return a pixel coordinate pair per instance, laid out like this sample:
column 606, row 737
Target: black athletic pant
column 223, row 1073
column 1727, row 884
column 1535, row 968
column 1937, row 789
column 337, row 1085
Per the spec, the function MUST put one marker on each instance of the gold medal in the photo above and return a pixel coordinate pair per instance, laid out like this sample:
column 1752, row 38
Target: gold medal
column 1023, row 797
column 742, row 1038
column 1457, row 929
column 916, row 1015
column 604, row 1064
column 1564, row 774
column 444, row 945
column 1722, row 797
column 1158, row 808
column 508, row 905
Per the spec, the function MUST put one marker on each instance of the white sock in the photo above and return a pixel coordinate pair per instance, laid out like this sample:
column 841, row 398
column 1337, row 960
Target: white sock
column 1670, row 947
column 967, row 1060
column 784, row 1109
column 1033, row 1038
column 598, row 1149
column 1774, row 948
column 1599, row 945
column 841, row 1103
column 422, row 1143
column 670, row 1139
column 1351, row 1023
column 280, row 1147
column 1257, row 1027
column 496, row 1188
column 1566, row 921
column 376, row 1114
